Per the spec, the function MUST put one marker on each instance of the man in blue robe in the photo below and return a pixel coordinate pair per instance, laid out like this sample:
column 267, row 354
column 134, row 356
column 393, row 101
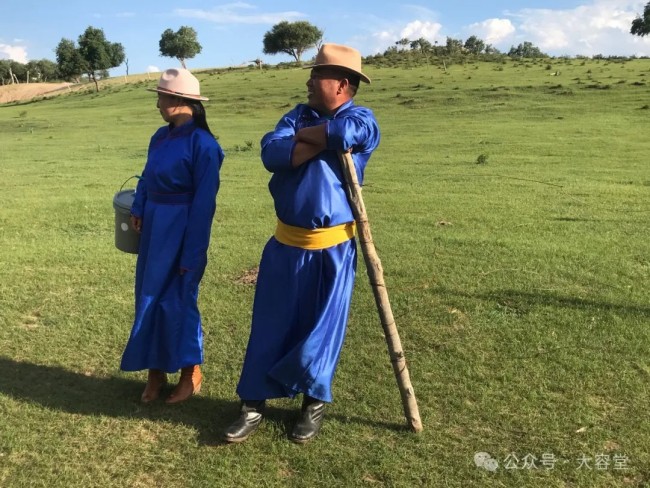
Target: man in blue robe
column 307, row 270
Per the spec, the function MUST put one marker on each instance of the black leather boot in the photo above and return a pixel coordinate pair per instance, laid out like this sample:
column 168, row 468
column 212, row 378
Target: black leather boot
column 247, row 423
column 310, row 420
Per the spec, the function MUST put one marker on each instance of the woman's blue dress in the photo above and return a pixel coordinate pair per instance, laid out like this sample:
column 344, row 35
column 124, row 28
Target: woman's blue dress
column 176, row 199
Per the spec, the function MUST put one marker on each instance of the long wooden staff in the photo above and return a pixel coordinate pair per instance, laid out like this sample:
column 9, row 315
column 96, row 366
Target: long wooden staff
column 376, row 276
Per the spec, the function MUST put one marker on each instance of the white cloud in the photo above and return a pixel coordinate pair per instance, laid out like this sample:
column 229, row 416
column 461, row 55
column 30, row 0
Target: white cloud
column 493, row 31
column 153, row 69
column 17, row 53
column 380, row 41
column 598, row 27
column 238, row 13
column 417, row 29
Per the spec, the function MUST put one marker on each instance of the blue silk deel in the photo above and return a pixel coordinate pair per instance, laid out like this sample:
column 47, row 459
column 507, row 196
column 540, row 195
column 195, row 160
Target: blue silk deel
column 176, row 199
column 303, row 296
column 300, row 311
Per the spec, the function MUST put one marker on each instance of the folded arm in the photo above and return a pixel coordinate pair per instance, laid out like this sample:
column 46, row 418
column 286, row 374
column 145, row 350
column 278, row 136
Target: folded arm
column 310, row 141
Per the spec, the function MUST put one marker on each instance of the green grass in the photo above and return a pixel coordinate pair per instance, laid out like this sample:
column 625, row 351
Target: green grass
column 519, row 286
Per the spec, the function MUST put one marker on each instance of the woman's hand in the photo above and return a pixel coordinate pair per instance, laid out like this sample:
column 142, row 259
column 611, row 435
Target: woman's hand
column 136, row 223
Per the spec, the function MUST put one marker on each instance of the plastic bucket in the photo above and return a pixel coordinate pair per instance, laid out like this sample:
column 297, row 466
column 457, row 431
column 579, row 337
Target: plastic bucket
column 126, row 238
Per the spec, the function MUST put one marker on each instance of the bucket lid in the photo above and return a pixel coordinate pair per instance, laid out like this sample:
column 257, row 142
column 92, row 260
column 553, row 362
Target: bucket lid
column 124, row 199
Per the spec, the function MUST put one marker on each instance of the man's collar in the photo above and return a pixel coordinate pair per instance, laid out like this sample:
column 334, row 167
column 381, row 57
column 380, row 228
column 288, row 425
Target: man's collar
column 345, row 106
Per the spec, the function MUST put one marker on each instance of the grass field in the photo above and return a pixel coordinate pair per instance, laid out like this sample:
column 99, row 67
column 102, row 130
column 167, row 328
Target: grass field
column 509, row 204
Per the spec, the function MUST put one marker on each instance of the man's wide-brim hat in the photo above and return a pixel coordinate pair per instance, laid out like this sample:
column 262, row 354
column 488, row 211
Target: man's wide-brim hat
column 342, row 57
column 180, row 83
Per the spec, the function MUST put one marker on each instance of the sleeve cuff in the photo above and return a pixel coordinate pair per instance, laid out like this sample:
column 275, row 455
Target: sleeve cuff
column 279, row 157
column 332, row 130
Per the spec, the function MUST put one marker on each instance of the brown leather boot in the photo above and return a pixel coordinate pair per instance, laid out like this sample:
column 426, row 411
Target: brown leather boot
column 155, row 382
column 188, row 384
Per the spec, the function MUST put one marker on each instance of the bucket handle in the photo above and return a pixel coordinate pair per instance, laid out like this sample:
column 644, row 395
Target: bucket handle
column 129, row 179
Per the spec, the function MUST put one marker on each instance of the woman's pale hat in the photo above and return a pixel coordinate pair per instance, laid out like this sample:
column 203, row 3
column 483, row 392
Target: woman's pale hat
column 179, row 82
column 339, row 56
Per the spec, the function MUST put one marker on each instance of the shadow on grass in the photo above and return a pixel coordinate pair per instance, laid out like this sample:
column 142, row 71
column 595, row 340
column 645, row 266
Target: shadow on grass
column 525, row 301
column 59, row 389
column 566, row 301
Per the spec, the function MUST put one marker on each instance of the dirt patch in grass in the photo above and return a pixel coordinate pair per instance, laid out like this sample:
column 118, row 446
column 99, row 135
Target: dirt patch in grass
column 249, row 277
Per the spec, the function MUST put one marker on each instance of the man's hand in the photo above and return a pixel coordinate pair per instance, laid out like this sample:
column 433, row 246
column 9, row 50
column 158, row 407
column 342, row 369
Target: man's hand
column 316, row 135
column 310, row 141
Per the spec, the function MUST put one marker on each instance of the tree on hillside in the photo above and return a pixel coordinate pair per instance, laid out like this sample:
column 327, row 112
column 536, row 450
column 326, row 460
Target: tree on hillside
column 526, row 50
column 292, row 38
column 181, row 44
column 99, row 54
column 402, row 43
column 641, row 25
column 69, row 61
column 391, row 51
column 17, row 71
column 47, row 69
column 490, row 49
column 453, row 46
column 474, row 45
column 40, row 70
column 5, row 71
column 94, row 56
column 421, row 44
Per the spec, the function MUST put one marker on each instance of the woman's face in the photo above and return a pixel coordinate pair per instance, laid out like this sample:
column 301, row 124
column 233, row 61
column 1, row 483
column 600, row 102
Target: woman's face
column 168, row 106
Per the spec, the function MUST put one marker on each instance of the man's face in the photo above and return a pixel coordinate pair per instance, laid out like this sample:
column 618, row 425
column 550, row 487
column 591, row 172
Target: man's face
column 324, row 89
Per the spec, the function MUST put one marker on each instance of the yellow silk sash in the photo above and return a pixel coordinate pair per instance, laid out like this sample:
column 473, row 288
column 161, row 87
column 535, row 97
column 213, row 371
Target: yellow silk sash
column 313, row 239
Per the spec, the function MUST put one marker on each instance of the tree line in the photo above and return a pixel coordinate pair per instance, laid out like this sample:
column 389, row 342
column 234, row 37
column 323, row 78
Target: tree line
column 472, row 45
column 41, row 70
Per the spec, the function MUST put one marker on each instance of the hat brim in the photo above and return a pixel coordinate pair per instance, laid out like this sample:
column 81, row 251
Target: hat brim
column 363, row 77
column 179, row 95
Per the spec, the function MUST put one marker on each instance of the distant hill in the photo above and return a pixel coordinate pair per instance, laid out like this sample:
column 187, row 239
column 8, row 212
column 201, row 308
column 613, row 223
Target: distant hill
column 27, row 91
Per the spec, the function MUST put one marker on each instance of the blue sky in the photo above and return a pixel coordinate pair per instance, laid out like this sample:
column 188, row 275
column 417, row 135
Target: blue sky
column 231, row 33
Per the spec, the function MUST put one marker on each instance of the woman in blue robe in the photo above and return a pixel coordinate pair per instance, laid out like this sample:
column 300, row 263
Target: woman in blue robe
column 173, row 209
